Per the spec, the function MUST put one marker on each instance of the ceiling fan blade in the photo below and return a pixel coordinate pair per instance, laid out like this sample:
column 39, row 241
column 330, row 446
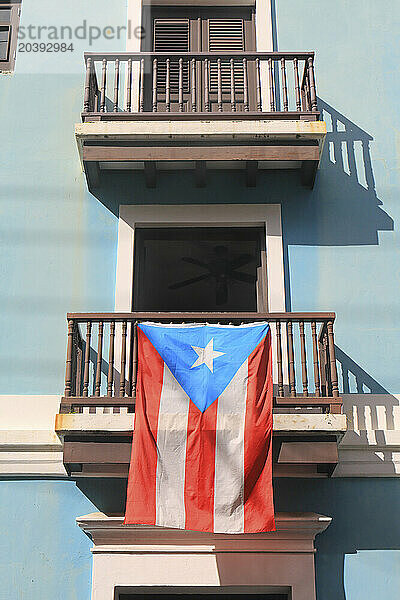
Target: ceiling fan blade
column 241, row 260
column 194, row 261
column 246, row 277
column 180, row 284
column 221, row 293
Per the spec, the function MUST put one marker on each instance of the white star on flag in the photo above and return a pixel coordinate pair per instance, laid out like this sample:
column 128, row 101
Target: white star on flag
column 205, row 356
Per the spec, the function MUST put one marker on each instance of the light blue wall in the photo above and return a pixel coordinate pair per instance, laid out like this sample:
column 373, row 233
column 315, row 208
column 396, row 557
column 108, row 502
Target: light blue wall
column 43, row 553
column 358, row 555
column 45, row 556
column 58, row 243
column 342, row 253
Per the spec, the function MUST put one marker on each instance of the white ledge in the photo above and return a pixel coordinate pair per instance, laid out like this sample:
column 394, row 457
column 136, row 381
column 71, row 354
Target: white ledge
column 100, row 423
column 179, row 130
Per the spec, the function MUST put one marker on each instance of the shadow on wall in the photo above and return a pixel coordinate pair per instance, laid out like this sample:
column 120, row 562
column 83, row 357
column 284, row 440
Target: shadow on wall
column 353, row 379
column 108, row 495
column 342, row 210
column 364, row 515
column 366, row 402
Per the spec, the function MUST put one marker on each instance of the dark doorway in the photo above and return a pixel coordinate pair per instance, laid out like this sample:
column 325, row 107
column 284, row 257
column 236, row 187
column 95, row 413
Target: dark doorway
column 202, row 596
column 181, row 30
column 200, row 269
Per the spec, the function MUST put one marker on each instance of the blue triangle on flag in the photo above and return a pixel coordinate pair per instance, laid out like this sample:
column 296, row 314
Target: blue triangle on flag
column 204, row 358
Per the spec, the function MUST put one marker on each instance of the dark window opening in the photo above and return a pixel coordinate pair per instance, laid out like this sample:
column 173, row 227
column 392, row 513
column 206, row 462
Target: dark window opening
column 9, row 21
column 195, row 596
column 200, row 269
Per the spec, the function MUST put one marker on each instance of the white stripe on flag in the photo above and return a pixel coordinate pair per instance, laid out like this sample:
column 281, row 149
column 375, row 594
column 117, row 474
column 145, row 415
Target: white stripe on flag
column 229, row 455
column 171, row 453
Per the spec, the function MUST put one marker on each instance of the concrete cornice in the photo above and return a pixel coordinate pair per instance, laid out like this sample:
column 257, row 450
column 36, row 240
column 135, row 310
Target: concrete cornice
column 297, row 530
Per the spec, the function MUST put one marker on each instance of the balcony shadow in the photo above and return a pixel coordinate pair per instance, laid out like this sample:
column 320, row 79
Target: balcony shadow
column 368, row 405
column 107, row 495
column 343, row 209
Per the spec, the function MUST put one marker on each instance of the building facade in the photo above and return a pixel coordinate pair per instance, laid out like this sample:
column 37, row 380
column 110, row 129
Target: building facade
column 222, row 161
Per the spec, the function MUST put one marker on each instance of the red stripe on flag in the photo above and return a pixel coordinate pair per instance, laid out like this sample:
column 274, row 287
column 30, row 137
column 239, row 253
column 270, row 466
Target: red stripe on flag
column 258, row 495
column 141, row 494
column 200, row 468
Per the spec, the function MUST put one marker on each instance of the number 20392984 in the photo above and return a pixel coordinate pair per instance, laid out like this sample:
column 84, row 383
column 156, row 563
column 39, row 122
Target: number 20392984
column 45, row 47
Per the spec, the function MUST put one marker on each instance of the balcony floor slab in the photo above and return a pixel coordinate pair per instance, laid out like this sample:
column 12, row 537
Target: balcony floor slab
column 67, row 424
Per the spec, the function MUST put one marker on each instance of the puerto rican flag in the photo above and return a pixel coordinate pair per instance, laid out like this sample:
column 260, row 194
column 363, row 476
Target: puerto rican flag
column 202, row 444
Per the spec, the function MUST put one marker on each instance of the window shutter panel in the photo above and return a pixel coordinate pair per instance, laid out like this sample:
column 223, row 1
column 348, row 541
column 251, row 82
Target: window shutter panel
column 226, row 35
column 172, row 35
column 4, row 41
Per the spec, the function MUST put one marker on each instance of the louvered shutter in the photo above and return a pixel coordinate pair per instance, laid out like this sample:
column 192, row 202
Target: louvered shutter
column 226, row 35
column 5, row 32
column 171, row 35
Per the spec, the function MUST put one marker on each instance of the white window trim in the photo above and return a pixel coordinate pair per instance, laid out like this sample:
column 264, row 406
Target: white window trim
column 264, row 38
column 199, row 215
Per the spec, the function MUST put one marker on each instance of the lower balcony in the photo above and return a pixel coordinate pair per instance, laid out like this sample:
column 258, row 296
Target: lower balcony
column 96, row 413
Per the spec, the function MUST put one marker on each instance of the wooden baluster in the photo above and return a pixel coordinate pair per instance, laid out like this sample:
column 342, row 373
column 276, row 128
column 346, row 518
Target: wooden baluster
column 279, row 359
column 134, row 359
column 123, row 360
column 68, row 363
column 311, row 81
column 168, row 86
column 128, row 388
column 155, row 85
column 271, row 86
column 322, row 360
column 315, row 359
column 206, row 85
column 99, row 359
column 303, row 358
column 303, row 97
column 233, row 99
column 103, row 86
column 116, row 85
column 141, row 86
column 307, row 95
column 180, row 85
column 258, row 83
column 194, row 85
column 129, row 86
column 110, row 375
column 77, row 353
column 85, row 391
column 296, row 84
column 284, row 85
column 332, row 359
column 86, row 102
column 292, row 382
column 245, row 87
column 219, row 86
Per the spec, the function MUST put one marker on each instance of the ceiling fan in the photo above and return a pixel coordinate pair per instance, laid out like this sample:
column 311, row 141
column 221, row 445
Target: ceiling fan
column 220, row 268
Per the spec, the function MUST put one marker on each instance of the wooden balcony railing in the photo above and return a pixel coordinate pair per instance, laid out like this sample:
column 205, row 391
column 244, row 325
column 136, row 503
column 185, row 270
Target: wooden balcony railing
column 101, row 360
column 163, row 85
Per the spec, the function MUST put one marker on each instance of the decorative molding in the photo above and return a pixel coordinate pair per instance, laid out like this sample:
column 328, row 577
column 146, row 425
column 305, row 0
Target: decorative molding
column 124, row 557
column 29, row 445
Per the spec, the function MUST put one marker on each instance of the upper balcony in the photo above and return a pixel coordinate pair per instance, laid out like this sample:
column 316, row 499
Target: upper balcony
column 96, row 414
column 242, row 110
